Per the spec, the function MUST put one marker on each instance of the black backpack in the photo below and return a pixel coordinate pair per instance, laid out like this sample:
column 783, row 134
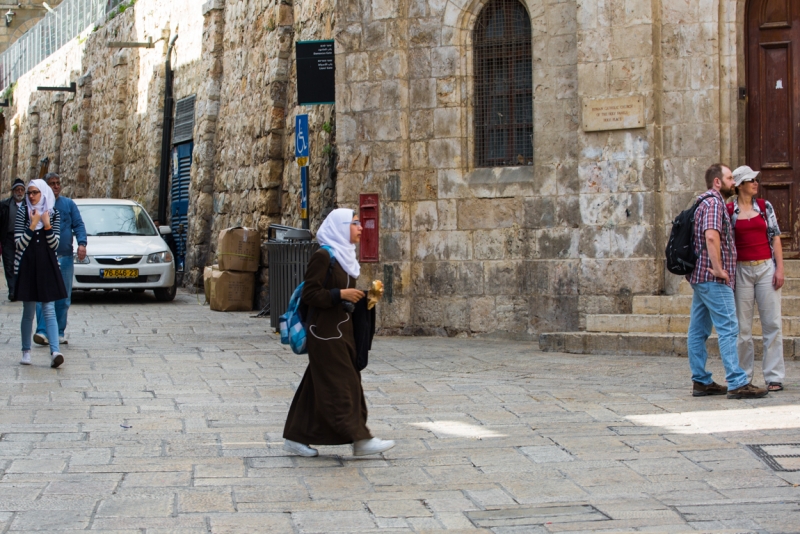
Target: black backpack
column 681, row 257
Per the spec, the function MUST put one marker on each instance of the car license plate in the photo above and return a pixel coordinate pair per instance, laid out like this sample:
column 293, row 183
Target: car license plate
column 119, row 273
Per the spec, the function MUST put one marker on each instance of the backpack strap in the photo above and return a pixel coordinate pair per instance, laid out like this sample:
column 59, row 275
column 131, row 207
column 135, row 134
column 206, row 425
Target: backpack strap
column 762, row 205
column 729, row 205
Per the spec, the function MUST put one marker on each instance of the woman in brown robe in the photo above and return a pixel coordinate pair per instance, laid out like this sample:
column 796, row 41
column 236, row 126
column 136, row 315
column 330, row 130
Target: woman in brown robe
column 329, row 407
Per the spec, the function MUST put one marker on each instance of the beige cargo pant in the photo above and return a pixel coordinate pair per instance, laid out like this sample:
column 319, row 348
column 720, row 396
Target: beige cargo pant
column 754, row 286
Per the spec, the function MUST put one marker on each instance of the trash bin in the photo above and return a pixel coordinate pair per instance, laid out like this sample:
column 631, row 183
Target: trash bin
column 288, row 252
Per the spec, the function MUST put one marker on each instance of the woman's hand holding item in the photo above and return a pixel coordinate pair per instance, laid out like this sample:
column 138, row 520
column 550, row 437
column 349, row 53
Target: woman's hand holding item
column 46, row 220
column 351, row 295
column 35, row 218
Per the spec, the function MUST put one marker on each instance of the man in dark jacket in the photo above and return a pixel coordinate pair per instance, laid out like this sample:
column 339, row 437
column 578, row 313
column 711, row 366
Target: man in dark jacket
column 8, row 214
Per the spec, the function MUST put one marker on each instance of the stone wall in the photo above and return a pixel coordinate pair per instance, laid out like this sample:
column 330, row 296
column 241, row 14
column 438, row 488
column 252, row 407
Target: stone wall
column 463, row 250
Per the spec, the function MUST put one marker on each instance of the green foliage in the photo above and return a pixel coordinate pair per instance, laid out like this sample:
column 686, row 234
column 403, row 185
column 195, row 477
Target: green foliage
column 327, row 127
column 74, row 128
column 327, row 150
column 122, row 8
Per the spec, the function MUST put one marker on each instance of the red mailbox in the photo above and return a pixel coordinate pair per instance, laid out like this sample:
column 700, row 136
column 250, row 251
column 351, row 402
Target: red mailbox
column 370, row 238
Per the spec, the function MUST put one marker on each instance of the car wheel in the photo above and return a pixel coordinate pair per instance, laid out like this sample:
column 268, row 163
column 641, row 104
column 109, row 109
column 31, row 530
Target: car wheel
column 166, row 294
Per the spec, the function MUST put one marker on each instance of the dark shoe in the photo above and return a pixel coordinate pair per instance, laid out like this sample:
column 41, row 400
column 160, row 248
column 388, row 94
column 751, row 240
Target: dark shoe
column 748, row 391
column 58, row 359
column 39, row 339
column 703, row 390
column 775, row 386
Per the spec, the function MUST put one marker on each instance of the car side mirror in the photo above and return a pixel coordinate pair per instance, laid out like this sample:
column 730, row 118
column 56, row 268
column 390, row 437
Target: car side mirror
column 164, row 230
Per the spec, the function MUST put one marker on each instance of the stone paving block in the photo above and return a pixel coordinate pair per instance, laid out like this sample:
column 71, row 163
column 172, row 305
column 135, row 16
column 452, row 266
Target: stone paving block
column 157, row 479
column 204, row 500
column 332, row 521
column 136, row 507
column 52, row 520
column 398, row 508
column 54, row 465
column 247, row 523
column 547, row 454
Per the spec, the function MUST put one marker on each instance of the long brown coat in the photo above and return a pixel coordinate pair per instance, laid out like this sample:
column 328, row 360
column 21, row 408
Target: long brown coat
column 329, row 406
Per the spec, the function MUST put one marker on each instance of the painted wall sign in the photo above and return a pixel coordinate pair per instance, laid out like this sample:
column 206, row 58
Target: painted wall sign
column 315, row 73
column 613, row 113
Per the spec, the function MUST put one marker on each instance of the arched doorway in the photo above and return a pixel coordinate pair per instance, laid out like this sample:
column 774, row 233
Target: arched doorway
column 773, row 109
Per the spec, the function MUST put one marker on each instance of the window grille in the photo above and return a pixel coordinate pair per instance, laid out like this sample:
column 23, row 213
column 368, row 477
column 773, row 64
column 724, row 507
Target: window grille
column 57, row 28
column 503, row 74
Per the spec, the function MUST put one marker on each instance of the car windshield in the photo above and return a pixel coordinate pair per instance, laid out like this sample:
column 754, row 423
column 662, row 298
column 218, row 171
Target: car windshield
column 113, row 220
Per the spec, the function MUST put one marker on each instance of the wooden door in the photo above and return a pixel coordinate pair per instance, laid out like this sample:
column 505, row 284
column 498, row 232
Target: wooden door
column 773, row 109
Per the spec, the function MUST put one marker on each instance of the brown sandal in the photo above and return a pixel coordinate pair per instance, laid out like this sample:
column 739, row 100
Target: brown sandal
column 775, row 386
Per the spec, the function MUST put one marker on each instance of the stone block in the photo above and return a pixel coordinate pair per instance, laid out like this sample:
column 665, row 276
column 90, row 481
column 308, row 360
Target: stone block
column 488, row 213
column 395, row 314
column 539, row 212
column 357, row 67
column 553, row 314
column 444, row 153
column 617, row 276
column 446, row 122
column 424, row 33
column 447, row 93
column 423, row 93
column 503, row 277
column 444, row 61
column 420, row 125
column 554, row 243
column 419, row 63
column 481, row 315
column 490, row 244
column 425, row 216
column 438, row 246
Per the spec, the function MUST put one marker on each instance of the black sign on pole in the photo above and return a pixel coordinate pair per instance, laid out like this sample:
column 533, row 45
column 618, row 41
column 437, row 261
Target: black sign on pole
column 316, row 82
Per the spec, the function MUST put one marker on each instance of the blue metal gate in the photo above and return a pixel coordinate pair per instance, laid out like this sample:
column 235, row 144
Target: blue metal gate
column 179, row 210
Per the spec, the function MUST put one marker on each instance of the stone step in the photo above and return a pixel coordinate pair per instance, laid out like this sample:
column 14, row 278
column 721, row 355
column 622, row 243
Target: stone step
column 682, row 305
column 663, row 324
column 791, row 268
column 791, row 288
column 644, row 344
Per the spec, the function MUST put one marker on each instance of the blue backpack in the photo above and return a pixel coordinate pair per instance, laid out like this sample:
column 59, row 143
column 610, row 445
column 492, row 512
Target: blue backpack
column 292, row 324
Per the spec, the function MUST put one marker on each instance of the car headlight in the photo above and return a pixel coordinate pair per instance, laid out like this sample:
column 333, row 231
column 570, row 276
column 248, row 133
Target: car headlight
column 76, row 260
column 160, row 257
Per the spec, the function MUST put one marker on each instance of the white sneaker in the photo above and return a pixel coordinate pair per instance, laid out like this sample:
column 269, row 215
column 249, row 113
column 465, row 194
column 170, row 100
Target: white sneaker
column 39, row 339
column 365, row 447
column 62, row 341
column 26, row 357
column 58, row 359
column 299, row 448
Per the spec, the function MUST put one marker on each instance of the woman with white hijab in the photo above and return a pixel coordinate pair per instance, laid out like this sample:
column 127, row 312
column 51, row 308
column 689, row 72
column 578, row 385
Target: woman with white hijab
column 37, row 230
column 329, row 407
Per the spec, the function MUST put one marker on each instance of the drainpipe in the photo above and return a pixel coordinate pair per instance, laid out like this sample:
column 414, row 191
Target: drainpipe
column 166, row 137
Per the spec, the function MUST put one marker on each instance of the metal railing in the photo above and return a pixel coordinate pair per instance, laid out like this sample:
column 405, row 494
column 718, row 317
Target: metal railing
column 56, row 29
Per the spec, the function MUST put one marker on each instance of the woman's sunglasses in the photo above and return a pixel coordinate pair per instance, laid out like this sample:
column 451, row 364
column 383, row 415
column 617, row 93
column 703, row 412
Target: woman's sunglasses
column 34, row 193
column 756, row 180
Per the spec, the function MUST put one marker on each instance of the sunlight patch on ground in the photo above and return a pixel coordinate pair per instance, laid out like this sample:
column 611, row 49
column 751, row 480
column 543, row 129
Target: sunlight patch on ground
column 708, row 422
column 457, row 429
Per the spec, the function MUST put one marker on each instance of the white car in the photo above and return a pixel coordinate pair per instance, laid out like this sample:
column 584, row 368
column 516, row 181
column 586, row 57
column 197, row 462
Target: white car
column 124, row 250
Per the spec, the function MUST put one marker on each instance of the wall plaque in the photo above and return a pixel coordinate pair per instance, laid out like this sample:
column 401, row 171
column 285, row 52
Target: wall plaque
column 613, row 113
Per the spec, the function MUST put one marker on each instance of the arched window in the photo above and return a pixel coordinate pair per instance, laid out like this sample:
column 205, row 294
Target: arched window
column 503, row 96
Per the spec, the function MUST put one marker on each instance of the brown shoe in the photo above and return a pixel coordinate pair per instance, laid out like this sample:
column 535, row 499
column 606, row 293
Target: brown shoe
column 702, row 390
column 748, row 391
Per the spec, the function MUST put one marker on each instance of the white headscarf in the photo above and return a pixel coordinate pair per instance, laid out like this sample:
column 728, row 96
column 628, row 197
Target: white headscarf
column 335, row 232
column 47, row 200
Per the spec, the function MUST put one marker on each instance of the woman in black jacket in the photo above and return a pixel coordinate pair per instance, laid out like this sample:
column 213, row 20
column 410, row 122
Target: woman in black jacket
column 37, row 231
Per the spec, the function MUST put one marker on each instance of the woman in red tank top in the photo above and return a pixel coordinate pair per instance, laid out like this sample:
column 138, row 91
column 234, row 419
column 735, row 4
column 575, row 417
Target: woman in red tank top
column 759, row 277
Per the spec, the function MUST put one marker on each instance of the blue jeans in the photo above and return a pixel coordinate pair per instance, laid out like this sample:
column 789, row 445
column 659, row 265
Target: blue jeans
column 713, row 303
column 62, row 306
column 48, row 310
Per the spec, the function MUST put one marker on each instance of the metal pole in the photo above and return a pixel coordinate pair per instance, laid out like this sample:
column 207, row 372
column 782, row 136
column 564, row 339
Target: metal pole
column 304, row 197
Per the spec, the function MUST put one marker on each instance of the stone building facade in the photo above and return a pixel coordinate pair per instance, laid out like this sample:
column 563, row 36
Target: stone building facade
column 465, row 249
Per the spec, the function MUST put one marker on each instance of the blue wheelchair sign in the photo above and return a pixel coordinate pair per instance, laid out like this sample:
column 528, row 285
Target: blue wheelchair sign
column 301, row 140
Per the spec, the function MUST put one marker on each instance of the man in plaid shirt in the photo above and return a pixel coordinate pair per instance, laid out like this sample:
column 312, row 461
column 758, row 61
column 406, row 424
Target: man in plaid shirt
column 713, row 281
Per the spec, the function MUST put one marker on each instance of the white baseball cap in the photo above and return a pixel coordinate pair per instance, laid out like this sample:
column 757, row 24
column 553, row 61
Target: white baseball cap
column 744, row 174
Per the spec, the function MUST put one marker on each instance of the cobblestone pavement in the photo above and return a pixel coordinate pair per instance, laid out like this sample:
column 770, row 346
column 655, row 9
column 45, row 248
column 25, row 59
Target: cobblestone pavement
column 168, row 417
